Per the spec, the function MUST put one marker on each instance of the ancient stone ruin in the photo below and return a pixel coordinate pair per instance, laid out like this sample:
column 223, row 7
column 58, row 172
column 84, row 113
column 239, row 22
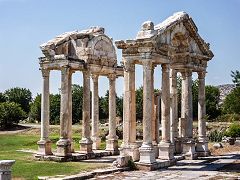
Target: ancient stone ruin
column 175, row 45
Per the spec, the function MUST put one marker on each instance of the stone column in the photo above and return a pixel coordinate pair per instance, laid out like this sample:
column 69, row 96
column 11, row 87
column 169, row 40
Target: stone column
column 70, row 111
column 187, row 129
column 44, row 145
column 147, row 154
column 173, row 106
column 86, row 142
column 202, row 144
column 64, row 145
column 166, row 148
column 95, row 113
column 5, row 169
column 129, row 146
column 112, row 139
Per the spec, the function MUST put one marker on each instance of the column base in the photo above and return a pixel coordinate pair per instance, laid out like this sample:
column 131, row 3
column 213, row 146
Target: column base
column 96, row 143
column 189, row 148
column 178, row 146
column 156, row 149
column 112, row 146
column 86, row 145
column 166, row 151
column 63, row 148
column 130, row 150
column 72, row 146
column 44, row 147
column 147, row 154
column 202, row 147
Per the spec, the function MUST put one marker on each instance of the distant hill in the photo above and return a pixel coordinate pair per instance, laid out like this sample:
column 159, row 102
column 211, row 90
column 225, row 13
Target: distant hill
column 225, row 89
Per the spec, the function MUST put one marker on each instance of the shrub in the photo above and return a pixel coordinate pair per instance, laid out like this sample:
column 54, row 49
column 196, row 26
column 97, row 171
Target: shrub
column 233, row 131
column 231, row 103
column 227, row 118
column 10, row 113
column 215, row 136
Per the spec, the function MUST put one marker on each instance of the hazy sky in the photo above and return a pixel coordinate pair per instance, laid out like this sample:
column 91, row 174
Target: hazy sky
column 25, row 24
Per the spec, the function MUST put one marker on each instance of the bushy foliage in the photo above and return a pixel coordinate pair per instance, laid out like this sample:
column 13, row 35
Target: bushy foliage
column 2, row 98
column 231, row 103
column 10, row 113
column 77, row 100
column 212, row 99
column 236, row 77
column 21, row 96
column 233, row 131
column 35, row 109
column 55, row 108
column 215, row 136
column 227, row 118
column 139, row 103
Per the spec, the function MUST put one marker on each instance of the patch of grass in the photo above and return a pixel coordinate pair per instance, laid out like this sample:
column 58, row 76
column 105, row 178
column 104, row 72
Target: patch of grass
column 26, row 167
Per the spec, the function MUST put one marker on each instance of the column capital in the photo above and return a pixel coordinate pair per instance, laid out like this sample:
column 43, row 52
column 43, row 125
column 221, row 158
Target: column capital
column 186, row 73
column 147, row 64
column 45, row 72
column 165, row 67
column 112, row 77
column 128, row 66
column 201, row 74
column 95, row 77
column 173, row 73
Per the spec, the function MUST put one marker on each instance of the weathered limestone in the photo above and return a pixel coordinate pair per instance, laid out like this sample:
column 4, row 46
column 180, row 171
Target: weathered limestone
column 112, row 139
column 86, row 142
column 70, row 112
column 44, row 145
column 64, row 144
column 202, row 144
column 173, row 107
column 187, row 140
column 129, row 146
column 147, row 154
column 166, row 148
column 5, row 169
column 95, row 113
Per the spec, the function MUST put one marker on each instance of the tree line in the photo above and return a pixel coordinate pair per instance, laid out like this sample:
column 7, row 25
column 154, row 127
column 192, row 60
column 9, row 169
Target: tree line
column 17, row 104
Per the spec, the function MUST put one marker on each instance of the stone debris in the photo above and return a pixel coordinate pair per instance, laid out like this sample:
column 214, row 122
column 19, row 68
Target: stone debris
column 218, row 145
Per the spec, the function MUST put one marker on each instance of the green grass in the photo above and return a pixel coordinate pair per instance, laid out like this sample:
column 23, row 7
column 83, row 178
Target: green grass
column 26, row 167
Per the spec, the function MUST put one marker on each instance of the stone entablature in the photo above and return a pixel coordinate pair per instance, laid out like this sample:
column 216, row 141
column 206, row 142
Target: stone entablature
column 91, row 46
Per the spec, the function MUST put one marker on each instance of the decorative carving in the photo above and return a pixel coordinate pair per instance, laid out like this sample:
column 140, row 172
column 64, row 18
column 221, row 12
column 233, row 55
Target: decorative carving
column 94, row 77
column 112, row 77
column 45, row 72
column 201, row 74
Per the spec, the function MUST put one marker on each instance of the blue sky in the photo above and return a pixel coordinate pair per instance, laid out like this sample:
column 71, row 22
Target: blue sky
column 25, row 24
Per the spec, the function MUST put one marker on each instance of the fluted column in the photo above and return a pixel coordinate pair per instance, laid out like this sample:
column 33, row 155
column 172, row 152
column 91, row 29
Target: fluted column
column 70, row 111
column 86, row 142
column 147, row 154
column 63, row 145
column 187, row 115
column 129, row 146
column 95, row 113
column 173, row 106
column 202, row 144
column 44, row 145
column 166, row 148
column 112, row 139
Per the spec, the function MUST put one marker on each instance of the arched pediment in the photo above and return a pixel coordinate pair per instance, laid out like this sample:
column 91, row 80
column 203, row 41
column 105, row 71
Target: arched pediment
column 91, row 46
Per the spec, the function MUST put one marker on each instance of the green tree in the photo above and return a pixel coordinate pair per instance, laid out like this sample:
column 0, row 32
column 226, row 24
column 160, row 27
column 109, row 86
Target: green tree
column 119, row 104
column 2, row 98
column 231, row 103
column 55, row 108
column 21, row 96
column 77, row 100
column 10, row 113
column 35, row 108
column 103, row 106
column 195, row 88
column 236, row 77
column 212, row 100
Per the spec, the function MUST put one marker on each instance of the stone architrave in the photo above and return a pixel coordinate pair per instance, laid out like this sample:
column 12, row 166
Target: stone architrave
column 44, row 145
column 86, row 142
column 202, row 144
column 188, row 142
column 95, row 113
column 112, row 139
column 147, row 154
column 129, row 146
column 64, row 144
column 166, row 148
